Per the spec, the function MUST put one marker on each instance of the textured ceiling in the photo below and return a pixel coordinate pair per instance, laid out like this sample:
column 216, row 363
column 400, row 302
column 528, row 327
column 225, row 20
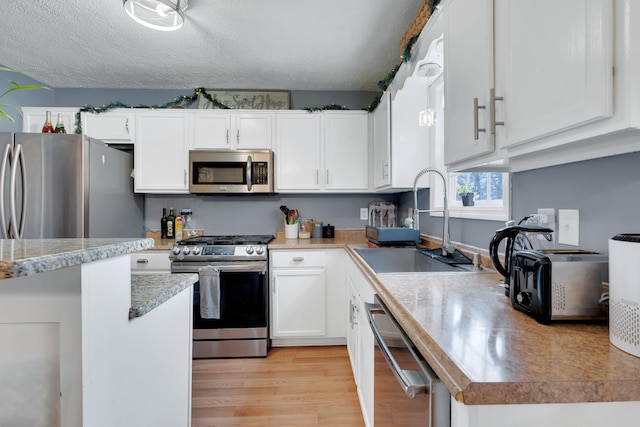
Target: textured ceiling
column 225, row 44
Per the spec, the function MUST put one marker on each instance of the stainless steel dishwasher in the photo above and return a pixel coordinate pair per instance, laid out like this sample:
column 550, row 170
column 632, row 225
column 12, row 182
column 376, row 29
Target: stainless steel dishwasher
column 406, row 390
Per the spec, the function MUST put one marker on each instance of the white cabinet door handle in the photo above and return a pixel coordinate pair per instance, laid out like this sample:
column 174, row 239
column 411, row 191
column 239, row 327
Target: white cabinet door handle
column 476, row 129
column 298, row 259
column 492, row 110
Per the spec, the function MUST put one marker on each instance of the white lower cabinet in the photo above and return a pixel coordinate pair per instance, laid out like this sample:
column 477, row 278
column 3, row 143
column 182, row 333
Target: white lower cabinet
column 298, row 303
column 150, row 262
column 307, row 297
column 360, row 341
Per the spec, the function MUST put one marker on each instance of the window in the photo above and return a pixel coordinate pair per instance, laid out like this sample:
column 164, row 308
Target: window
column 487, row 187
column 491, row 189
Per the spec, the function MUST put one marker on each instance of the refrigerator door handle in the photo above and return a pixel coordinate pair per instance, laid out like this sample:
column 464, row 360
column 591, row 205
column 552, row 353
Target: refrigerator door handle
column 3, row 170
column 16, row 229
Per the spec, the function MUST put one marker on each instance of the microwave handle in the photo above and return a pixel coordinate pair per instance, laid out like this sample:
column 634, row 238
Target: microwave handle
column 248, row 173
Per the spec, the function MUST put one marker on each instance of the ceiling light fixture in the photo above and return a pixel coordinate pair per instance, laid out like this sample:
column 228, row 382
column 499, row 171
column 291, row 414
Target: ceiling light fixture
column 161, row 15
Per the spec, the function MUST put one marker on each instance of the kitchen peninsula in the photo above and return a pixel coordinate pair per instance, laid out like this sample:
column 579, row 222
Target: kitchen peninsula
column 85, row 343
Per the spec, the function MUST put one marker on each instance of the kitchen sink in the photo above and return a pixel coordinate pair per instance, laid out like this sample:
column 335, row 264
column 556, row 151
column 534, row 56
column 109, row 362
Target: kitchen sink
column 412, row 260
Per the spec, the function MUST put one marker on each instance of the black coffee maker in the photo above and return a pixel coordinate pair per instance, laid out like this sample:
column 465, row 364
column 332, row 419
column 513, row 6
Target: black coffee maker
column 516, row 239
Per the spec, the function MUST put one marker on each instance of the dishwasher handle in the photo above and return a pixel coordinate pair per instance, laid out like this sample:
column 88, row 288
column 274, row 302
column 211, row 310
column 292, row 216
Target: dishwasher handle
column 412, row 382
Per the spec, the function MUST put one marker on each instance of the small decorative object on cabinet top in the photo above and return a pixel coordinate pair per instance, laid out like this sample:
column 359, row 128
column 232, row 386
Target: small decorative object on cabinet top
column 247, row 99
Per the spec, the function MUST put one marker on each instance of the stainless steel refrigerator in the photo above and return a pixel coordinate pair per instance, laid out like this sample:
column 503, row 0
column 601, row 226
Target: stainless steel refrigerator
column 65, row 186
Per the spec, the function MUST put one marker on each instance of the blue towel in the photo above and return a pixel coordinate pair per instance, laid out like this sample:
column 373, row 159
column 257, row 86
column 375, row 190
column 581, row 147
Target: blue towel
column 209, row 292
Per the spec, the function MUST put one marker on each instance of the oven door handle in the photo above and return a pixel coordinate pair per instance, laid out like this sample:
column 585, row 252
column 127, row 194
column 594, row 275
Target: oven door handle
column 222, row 267
column 412, row 382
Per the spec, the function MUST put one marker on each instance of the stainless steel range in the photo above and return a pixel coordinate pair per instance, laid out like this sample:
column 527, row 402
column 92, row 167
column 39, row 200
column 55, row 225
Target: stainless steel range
column 241, row 326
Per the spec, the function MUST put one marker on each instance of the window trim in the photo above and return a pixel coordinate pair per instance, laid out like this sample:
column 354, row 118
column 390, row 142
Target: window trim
column 456, row 210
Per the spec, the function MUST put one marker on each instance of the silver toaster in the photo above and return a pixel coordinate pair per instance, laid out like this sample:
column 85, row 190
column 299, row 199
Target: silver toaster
column 558, row 284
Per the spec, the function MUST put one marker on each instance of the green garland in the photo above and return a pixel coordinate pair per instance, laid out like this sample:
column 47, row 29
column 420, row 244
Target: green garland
column 184, row 100
column 405, row 57
column 326, row 107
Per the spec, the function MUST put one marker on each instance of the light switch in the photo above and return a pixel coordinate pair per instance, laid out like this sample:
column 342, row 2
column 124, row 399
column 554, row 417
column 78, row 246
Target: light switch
column 569, row 227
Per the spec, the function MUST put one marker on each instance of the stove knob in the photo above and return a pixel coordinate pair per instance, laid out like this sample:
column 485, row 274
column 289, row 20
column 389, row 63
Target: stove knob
column 176, row 250
column 186, row 251
column 249, row 250
column 259, row 250
column 196, row 250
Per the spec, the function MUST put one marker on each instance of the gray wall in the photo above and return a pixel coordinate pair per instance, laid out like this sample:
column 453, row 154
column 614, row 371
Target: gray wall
column 260, row 214
column 32, row 98
column 603, row 190
column 65, row 97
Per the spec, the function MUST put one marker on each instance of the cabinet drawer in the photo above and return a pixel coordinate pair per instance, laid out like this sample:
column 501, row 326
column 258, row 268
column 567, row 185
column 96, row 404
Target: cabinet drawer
column 150, row 261
column 297, row 259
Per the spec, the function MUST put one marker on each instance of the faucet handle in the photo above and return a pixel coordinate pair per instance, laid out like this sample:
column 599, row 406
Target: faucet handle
column 477, row 265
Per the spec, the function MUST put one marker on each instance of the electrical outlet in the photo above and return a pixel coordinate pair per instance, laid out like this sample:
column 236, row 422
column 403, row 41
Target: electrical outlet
column 537, row 219
column 569, row 227
column 551, row 221
column 364, row 214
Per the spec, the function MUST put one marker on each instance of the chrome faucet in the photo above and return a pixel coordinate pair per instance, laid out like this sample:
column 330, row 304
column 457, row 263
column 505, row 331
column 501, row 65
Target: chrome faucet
column 446, row 243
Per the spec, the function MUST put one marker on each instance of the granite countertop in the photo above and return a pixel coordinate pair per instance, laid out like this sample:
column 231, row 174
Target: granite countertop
column 148, row 291
column 486, row 352
column 24, row 257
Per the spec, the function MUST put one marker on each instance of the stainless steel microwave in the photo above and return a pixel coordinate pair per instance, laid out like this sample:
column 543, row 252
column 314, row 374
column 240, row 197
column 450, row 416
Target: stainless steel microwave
column 231, row 172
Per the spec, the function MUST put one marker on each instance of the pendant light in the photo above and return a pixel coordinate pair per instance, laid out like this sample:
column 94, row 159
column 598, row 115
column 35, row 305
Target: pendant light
column 161, row 15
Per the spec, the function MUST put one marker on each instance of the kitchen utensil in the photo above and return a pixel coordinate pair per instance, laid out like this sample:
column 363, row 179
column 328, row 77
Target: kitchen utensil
column 516, row 239
column 292, row 216
column 624, row 292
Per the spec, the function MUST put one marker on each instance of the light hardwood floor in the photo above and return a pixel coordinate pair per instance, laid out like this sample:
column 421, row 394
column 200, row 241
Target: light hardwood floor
column 292, row 386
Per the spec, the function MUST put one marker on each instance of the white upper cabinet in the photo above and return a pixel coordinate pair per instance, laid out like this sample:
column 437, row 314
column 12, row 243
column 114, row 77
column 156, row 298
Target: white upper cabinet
column 409, row 140
column 346, row 151
column 381, row 130
column 297, row 151
column 554, row 65
column 524, row 77
column 232, row 130
column 322, row 152
column 468, row 64
column 116, row 125
column 161, row 152
column 400, row 144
